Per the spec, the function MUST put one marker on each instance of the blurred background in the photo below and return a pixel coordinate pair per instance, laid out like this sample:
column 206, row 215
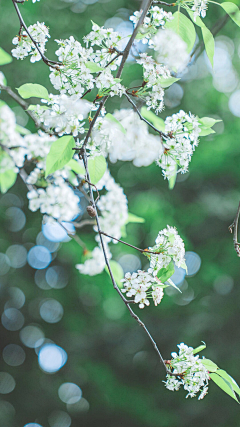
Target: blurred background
column 70, row 354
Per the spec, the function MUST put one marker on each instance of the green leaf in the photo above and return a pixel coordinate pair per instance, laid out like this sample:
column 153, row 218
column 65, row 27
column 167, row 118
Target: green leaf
column 22, row 130
column 60, row 153
column 227, row 377
column 141, row 35
column 207, row 36
column 76, row 167
column 167, row 82
column 117, row 272
column 181, row 25
column 134, row 218
column 223, row 384
column 123, row 231
column 165, row 273
column 172, row 179
column 232, row 11
column 198, row 349
column 2, row 103
column 29, row 90
column 209, row 365
column 206, row 131
column 208, row 122
column 209, row 43
column 40, row 107
column 93, row 67
column 5, row 58
column 7, row 179
column 114, row 120
column 152, row 118
column 97, row 167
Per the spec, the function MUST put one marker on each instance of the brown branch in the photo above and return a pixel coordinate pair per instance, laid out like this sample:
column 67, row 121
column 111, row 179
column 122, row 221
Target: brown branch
column 128, row 244
column 52, row 64
column 162, row 134
column 234, row 228
column 127, row 303
column 163, row 3
column 25, row 106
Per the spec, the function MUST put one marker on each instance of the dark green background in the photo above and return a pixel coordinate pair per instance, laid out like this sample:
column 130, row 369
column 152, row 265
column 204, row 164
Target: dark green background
column 100, row 350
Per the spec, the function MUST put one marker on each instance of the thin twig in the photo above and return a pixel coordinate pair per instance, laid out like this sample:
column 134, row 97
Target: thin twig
column 83, row 223
column 163, row 3
column 162, row 134
column 234, row 228
column 52, row 64
column 25, row 106
column 131, row 246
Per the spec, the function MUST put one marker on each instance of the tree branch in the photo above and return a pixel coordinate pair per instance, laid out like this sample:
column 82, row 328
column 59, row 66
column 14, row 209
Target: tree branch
column 234, row 226
column 52, row 64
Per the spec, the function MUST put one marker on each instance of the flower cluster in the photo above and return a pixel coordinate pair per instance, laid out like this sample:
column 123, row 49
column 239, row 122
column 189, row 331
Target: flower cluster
column 171, row 50
column 169, row 247
column 113, row 207
column 110, row 43
column 10, row 138
column 58, row 200
column 38, row 145
column 96, row 263
column 193, row 374
column 183, row 130
column 153, row 74
column 155, row 18
column 142, row 285
column 64, row 114
column 25, row 46
column 79, row 64
column 199, row 8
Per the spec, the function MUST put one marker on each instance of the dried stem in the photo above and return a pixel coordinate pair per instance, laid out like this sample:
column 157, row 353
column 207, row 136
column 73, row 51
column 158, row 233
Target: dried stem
column 234, row 228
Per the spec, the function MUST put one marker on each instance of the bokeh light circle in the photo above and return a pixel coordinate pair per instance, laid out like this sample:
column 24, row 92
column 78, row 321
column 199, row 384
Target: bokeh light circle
column 51, row 358
column 7, row 383
column 32, row 336
column 12, row 319
column 51, row 310
column 59, row 419
column 69, row 393
column 39, row 257
column 14, row 355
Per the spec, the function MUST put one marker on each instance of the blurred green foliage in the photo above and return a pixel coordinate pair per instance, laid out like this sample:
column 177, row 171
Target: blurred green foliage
column 109, row 356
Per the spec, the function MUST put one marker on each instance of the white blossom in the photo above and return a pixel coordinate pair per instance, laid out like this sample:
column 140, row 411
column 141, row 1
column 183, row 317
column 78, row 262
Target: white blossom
column 171, row 50
column 169, row 246
column 183, row 130
column 199, row 8
column 95, row 264
column 155, row 18
column 25, row 46
column 143, row 285
column 57, row 200
column 64, row 114
column 193, row 375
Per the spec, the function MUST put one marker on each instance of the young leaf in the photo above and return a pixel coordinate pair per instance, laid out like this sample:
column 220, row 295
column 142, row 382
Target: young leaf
column 114, row 120
column 172, row 179
column 208, row 122
column 198, row 349
column 97, row 167
column 76, row 167
column 206, row 131
column 60, row 154
column 155, row 120
column 207, row 36
column 5, row 58
column 29, row 90
column 209, row 365
column 227, row 377
column 232, row 11
column 117, row 272
column 22, row 130
column 7, row 179
column 223, row 384
column 174, row 286
column 181, row 25
column 134, row 218
column 165, row 273
column 167, row 82
column 93, row 67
